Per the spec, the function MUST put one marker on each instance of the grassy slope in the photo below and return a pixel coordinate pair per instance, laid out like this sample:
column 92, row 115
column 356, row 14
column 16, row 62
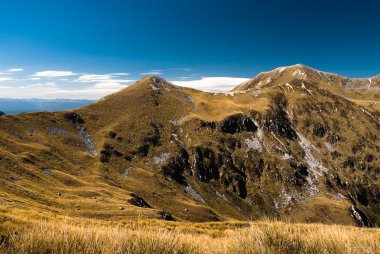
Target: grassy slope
column 90, row 189
column 81, row 204
column 143, row 236
column 87, row 188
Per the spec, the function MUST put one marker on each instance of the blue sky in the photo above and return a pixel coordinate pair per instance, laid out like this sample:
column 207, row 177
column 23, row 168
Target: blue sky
column 86, row 49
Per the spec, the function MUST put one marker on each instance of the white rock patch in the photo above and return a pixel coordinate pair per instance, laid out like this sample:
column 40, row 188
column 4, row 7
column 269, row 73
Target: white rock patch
column 304, row 87
column 253, row 144
column 286, row 156
column 341, row 196
column 329, row 147
column 89, row 144
column 299, row 74
column 366, row 112
column 289, row 86
column 162, row 158
column 314, row 164
column 178, row 122
column 356, row 215
column 176, row 138
column 127, row 171
column 194, row 194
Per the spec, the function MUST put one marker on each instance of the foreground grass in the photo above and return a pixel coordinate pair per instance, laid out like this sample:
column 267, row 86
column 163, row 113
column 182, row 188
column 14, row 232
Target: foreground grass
column 259, row 237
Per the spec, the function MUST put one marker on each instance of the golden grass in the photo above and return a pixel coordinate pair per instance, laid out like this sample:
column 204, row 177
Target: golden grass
column 159, row 237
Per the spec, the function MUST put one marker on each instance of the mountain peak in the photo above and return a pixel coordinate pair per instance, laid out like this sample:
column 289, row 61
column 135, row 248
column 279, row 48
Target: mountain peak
column 148, row 82
column 286, row 74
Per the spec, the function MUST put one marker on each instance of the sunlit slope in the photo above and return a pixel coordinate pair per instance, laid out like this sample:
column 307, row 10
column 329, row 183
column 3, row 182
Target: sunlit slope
column 293, row 147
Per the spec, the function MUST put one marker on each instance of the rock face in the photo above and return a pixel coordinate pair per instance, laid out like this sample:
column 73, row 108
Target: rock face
column 282, row 143
column 204, row 166
column 278, row 120
column 237, row 123
column 167, row 216
column 86, row 138
column 138, row 201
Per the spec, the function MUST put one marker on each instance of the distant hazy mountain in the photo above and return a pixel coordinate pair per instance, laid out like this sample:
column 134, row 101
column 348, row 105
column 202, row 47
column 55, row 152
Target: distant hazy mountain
column 16, row 106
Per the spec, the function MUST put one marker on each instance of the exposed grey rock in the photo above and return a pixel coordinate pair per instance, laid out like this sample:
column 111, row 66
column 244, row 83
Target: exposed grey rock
column 57, row 131
column 48, row 171
column 179, row 121
column 84, row 135
column 253, row 144
column 167, row 216
column 127, row 171
column 162, row 158
column 329, row 147
column 194, row 194
column 359, row 216
column 88, row 142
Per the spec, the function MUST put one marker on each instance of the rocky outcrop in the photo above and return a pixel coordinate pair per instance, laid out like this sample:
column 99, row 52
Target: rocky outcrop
column 84, row 135
column 359, row 216
column 167, row 216
column 237, row 123
column 138, row 201
column 74, row 118
column 301, row 173
column 152, row 140
column 176, row 166
column 320, row 130
column 107, row 152
column 277, row 119
column 204, row 166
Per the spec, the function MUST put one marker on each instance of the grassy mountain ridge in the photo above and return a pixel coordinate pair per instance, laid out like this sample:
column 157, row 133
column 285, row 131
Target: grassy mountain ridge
column 293, row 143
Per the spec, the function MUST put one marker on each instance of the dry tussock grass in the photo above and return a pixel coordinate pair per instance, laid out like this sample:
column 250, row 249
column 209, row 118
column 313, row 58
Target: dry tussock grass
column 260, row 237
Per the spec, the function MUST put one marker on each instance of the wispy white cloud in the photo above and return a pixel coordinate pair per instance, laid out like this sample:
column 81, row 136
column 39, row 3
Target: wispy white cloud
column 211, row 84
column 53, row 74
column 105, row 81
column 34, row 78
column 119, row 74
column 151, row 72
column 49, row 84
column 86, row 86
column 45, row 91
column 76, row 85
column 93, row 78
column 14, row 70
column 5, row 79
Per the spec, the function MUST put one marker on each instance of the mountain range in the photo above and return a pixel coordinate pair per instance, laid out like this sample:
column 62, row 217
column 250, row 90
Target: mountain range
column 293, row 143
column 17, row 106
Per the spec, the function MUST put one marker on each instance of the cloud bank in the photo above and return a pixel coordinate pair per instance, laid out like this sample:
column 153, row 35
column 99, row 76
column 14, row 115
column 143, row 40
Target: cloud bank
column 211, row 84
column 14, row 70
column 53, row 74
column 65, row 84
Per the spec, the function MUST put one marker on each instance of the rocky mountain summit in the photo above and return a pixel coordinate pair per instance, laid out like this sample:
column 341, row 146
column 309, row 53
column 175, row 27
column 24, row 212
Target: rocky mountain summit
column 293, row 143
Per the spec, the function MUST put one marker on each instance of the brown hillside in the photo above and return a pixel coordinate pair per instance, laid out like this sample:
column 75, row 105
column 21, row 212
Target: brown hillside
column 292, row 143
